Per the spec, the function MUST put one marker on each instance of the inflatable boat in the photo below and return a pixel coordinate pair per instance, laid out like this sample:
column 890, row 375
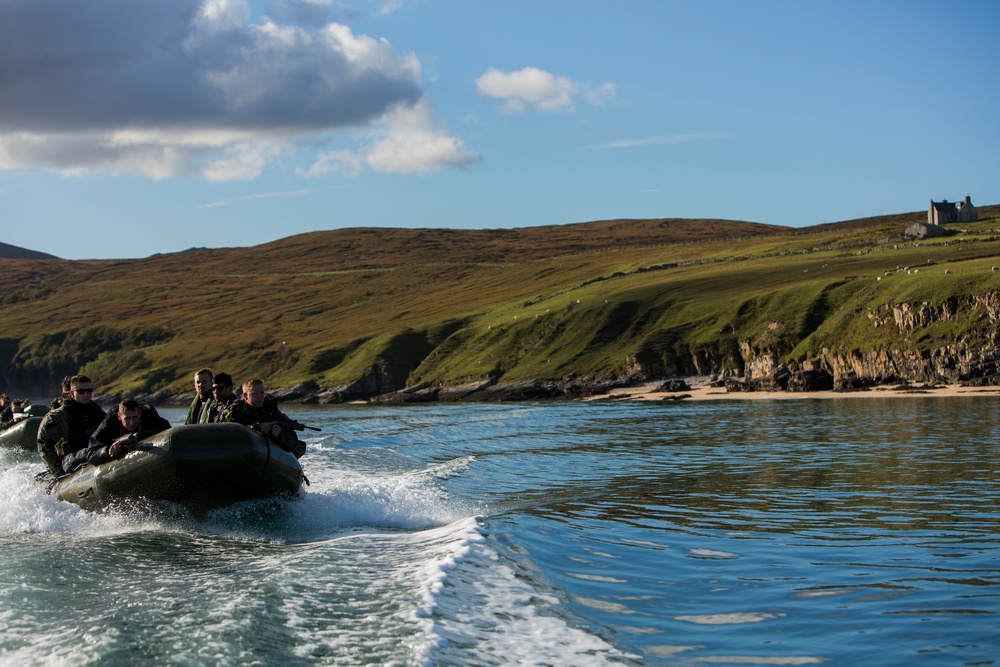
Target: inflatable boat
column 23, row 432
column 200, row 466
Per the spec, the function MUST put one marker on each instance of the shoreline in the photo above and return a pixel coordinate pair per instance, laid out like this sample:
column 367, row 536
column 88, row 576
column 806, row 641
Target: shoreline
column 648, row 392
column 698, row 388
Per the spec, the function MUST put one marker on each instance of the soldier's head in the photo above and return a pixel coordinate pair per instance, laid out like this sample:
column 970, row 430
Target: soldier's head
column 253, row 392
column 129, row 415
column 203, row 383
column 222, row 386
column 81, row 388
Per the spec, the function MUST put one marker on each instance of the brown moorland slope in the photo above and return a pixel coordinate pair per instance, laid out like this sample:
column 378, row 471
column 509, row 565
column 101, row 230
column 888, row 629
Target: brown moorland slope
column 8, row 251
column 374, row 248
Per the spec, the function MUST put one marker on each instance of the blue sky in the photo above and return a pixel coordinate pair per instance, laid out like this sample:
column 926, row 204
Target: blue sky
column 129, row 128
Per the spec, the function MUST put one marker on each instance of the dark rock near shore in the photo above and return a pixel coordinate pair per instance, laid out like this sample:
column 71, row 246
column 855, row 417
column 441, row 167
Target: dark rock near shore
column 853, row 383
column 811, row 380
column 303, row 392
column 462, row 391
column 736, row 385
column 580, row 387
column 674, row 385
column 518, row 391
column 783, row 379
column 418, row 394
column 984, row 381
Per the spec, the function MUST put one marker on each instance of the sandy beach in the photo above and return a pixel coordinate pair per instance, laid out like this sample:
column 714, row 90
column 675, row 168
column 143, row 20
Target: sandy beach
column 701, row 391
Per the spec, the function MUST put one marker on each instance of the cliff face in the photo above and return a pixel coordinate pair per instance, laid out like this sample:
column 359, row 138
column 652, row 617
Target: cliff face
column 950, row 364
column 973, row 359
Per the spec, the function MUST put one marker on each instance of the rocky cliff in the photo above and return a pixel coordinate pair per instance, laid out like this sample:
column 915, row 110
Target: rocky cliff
column 972, row 360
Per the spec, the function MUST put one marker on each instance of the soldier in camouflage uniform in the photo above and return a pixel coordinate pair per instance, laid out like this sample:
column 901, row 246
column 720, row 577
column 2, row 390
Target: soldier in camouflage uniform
column 68, row 428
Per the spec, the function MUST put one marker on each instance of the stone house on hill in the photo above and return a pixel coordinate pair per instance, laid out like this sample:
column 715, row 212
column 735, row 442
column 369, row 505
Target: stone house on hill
column 941, row 212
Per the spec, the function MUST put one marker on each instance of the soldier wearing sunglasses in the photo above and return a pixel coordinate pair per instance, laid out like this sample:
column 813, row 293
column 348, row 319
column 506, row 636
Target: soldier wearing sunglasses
column 68, row 429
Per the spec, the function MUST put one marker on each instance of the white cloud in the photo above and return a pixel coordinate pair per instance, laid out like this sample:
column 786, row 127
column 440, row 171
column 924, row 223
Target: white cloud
column 259, row 195
column 218, row 15
column 407, row 141
column 411, row 144
column 527, row 87
column 195, row 87
column 602, row 95
column 241, row 162
column 390, row 6
column 650, row 141
column 343, row 162
column 533, row 88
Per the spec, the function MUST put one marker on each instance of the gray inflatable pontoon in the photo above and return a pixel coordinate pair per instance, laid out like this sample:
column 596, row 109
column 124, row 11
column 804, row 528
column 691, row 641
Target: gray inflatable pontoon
column 21, row 435
column 200, row 466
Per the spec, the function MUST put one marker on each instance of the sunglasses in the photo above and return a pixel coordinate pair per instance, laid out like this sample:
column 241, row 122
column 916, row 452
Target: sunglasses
column 88, row 390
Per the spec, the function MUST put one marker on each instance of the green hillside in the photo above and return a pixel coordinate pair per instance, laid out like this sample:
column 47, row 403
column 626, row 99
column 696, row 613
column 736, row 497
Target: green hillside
column 628, row 297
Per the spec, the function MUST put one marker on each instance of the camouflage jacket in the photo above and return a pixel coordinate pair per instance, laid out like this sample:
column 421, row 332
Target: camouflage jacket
column 67, row 430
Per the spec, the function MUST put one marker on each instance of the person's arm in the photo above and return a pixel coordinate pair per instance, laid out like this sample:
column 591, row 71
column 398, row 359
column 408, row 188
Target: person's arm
column 90, row 454
column 96, row 450
column 288, row 438
column 104, row 434
column 98, row 453
column 50, row 431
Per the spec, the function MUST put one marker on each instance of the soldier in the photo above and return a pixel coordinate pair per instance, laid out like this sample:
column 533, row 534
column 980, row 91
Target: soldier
column 222, row 397
column 12, row 413
column 124, row 426
column 68, row 428
column 259, row 411
column 66, row 393
column 201, row 403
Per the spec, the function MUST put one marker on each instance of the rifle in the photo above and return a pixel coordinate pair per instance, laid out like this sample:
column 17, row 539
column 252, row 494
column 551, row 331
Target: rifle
column 247, row 418
column 124, row 444
column 294, row 425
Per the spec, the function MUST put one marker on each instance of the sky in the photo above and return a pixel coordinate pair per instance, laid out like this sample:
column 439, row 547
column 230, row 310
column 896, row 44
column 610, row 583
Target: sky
column 129, row 128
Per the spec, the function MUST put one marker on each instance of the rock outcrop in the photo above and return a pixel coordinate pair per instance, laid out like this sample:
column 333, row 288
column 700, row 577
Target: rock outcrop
column 963, row 361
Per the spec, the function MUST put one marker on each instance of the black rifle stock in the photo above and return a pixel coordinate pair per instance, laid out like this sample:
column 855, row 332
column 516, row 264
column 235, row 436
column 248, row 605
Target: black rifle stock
column 247, row 418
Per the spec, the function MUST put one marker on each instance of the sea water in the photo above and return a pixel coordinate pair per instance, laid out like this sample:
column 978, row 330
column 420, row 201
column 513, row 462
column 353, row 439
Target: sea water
column 841, row 532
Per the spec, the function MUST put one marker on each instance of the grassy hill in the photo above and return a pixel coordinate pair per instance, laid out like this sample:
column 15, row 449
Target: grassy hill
column 410, row 306
column 14, row 252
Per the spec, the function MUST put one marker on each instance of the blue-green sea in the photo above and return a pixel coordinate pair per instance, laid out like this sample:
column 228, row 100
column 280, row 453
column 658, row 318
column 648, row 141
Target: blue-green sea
column 861, row 532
